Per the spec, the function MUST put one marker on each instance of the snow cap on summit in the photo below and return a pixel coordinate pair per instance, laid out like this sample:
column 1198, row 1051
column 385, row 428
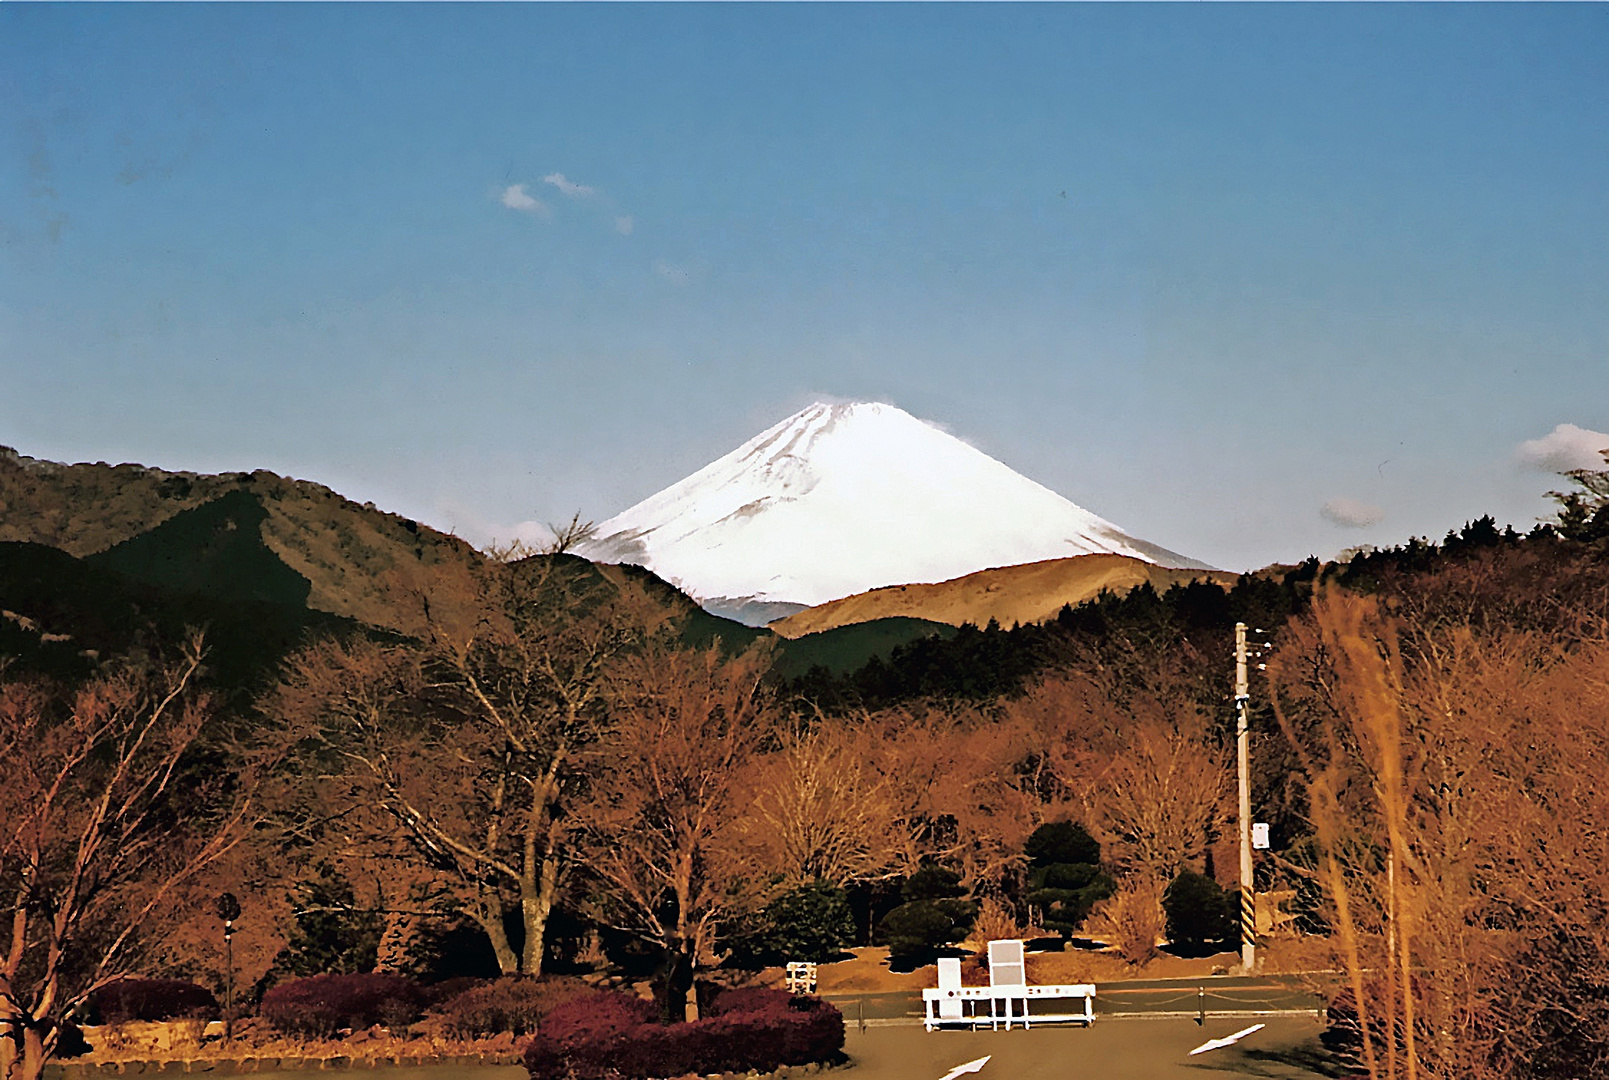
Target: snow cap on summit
column 839, row 499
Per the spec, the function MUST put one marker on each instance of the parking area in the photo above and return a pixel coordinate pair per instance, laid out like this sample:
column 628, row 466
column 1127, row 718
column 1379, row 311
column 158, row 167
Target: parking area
column 1286, row 1048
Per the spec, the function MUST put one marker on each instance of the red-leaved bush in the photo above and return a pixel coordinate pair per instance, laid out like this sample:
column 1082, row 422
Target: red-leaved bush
column 322, row 1004
column 612, row 1035
column 514, row 1004
column 439, row 993
column 151, row 999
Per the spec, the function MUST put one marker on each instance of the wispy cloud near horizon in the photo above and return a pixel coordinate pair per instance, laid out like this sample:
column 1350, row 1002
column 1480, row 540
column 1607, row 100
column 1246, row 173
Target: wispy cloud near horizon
column 1564, row 448
column 1351, row 513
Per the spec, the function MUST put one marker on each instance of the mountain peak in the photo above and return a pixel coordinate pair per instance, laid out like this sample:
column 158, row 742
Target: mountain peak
column 841, row 498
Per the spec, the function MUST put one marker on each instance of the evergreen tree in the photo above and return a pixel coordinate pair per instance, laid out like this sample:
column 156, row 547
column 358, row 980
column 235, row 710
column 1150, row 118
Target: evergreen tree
column 333, row 936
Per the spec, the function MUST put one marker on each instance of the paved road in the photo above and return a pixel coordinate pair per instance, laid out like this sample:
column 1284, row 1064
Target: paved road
column 1159, row 1049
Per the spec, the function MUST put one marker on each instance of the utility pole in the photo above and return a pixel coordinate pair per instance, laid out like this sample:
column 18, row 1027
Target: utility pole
column 1248, row 899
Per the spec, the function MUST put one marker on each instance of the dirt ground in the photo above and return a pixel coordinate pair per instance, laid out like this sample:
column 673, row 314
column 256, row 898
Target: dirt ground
column 868, row 970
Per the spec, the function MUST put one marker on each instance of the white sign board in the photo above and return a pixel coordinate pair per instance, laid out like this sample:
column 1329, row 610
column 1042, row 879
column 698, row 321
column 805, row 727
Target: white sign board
column 1259, row 835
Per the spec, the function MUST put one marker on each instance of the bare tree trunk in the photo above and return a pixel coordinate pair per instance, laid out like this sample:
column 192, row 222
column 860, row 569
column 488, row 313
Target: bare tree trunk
column 680, row 1003
column 31, row 1064
column 536, row 904
column 488, row 915
column 10, row 1048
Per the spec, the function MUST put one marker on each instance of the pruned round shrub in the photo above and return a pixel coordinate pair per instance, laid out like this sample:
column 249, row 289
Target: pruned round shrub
column 1062, row 842
column 921, row 926
column 932, row 882
column 616, row 1036
column 151, row 999
column 809, row 922
column 599, row 1015
column 320, row 1005
column 1199, row 913
column 515, row 1004
column 1065, row 880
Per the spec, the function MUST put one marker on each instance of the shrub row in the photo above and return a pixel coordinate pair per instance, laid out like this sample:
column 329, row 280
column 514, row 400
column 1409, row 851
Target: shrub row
column 320, row 1005
column 602, row 1035
column 150, row 999
column 514, row 1004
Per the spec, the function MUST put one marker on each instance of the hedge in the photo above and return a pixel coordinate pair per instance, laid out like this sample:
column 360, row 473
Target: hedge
column 321, row 1004
column 151, row 999
column 608, row 1036
column 514, row 1004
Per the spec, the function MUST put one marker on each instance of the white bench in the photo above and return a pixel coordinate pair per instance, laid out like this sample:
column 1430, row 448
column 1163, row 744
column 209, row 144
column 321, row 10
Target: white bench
column 1008, row 995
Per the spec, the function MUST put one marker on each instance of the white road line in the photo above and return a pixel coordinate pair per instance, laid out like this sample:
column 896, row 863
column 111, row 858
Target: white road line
column 969, row 1067
column 1217, row 1044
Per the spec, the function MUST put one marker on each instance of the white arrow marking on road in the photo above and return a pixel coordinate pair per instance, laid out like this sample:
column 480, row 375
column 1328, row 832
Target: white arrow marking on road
column 1214, row 1044
column 973, row 1066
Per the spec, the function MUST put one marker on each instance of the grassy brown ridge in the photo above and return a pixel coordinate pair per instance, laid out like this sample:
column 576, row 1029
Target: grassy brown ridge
column 360, row 562
column 1027, row 593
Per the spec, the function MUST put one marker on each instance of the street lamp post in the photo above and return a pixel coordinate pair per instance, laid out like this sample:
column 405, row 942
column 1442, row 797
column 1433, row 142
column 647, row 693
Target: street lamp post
column 229, row 911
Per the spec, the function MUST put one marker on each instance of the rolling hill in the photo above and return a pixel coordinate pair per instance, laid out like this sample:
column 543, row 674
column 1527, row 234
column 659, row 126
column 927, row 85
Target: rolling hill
column 1028, row 593
column 342, row 558
column 95, row 559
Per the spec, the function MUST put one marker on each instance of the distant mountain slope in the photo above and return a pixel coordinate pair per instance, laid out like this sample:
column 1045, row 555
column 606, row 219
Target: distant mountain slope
column 1029, row 593
column 356, row 561
column 216, row 548
column 93, row 558
column 844, row 649
column 59, row 614
column 839, row 499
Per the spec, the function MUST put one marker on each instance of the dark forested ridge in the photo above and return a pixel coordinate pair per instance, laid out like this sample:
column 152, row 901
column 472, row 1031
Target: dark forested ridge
column 1492, row 572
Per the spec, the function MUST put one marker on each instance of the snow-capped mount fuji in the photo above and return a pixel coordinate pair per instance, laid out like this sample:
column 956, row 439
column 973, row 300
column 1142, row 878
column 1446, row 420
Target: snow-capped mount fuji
column 839, row 499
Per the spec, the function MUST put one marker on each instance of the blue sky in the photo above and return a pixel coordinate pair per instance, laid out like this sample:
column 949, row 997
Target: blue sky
column 1204, row 269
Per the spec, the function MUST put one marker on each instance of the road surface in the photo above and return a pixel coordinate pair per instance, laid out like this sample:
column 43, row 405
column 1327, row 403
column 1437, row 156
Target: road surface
column 1155, row 1049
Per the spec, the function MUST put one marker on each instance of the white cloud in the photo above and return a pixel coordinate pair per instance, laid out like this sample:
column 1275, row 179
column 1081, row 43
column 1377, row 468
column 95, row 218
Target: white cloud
column 1351, row 513
column 1564, row 448
column 567, row 187
column 676, row 275
column 515, row 197
column 624, row 225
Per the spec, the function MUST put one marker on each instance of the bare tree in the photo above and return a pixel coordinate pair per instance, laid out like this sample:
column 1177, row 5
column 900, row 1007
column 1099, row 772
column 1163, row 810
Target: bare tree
column 472, row 742
column 1458, row 815
column 1160, row 798
column 568, row 536
column 669, row 850
column 103, row 822
column 1131, row 919
column 823, row 810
